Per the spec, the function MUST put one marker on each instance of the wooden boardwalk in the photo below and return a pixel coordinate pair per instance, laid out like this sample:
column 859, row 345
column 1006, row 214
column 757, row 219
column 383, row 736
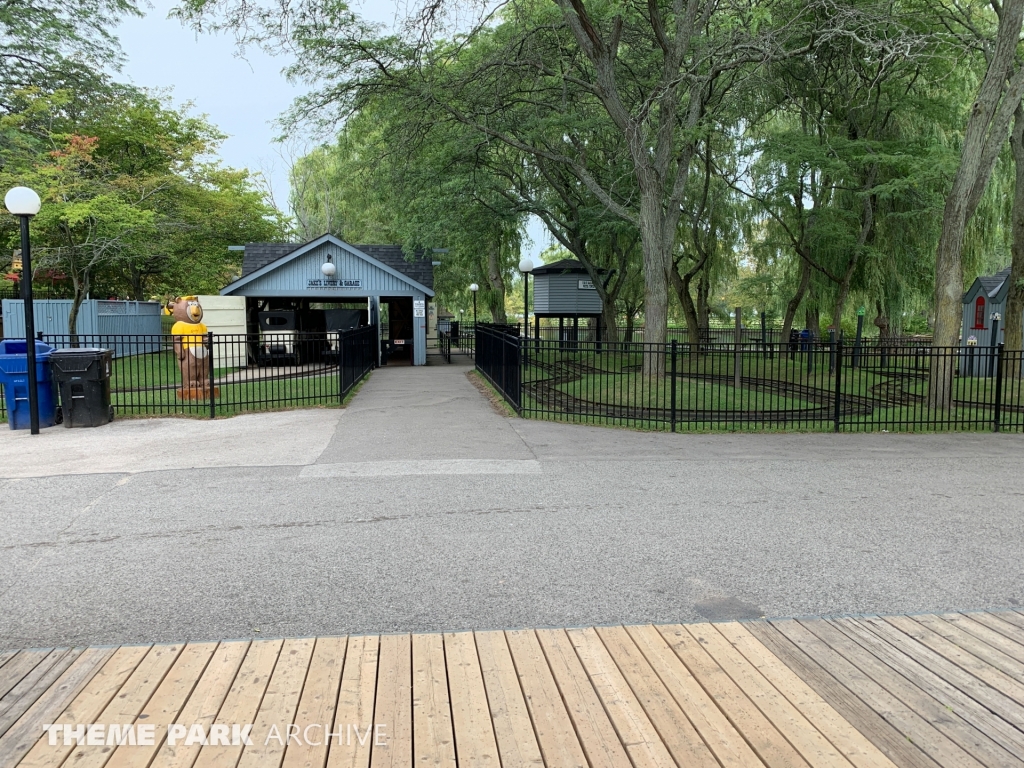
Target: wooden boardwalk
column 922, row 691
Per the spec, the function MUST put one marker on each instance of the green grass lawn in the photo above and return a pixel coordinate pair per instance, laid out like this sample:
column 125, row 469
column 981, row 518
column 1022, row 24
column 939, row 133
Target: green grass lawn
column 243, row 397
column 150, row 371
column 231, row 399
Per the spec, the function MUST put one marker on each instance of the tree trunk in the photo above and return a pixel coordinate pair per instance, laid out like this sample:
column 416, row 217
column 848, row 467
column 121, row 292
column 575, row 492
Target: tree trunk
column 138, row 284
column 81, row 286
column 681, row 285
column 609, row 332
column 496, row 294
column 1013, row 320
column 948, row 311
column 657, row 266
column 812, row 316
column 794, row 304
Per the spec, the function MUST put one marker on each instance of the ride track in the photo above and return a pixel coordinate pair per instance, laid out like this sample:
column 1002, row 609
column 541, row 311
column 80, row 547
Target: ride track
column 887, row 393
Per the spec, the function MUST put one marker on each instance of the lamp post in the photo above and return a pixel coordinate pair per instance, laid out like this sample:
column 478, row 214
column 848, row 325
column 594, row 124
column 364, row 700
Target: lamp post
column 24, row 203
column 995, row 317
column 474, row 288
column 526, row 267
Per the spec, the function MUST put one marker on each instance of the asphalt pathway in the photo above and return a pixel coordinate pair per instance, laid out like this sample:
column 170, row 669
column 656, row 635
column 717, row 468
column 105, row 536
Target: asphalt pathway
column 421, row 507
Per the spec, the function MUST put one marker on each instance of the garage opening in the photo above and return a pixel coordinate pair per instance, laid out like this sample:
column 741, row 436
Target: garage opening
column 297, row 331
column 397, row 330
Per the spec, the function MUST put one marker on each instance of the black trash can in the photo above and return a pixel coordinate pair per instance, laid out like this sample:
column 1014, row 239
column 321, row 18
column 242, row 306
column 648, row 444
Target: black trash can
column 83, row 379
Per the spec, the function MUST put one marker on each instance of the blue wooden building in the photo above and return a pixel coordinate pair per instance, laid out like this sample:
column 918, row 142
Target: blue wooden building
column 302, row 283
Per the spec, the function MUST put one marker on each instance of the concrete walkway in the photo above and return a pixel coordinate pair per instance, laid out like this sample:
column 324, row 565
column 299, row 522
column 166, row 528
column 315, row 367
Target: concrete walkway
column 421, row 507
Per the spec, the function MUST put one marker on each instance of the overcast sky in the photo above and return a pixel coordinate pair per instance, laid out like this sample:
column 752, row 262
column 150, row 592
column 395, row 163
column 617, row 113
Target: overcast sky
column 241, row 97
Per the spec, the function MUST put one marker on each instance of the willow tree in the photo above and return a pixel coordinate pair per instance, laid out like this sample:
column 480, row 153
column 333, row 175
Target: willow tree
column 655, row 72
column 984, row 138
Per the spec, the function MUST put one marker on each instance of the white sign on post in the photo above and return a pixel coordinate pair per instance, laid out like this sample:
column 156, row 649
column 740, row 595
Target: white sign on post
column 419, row 308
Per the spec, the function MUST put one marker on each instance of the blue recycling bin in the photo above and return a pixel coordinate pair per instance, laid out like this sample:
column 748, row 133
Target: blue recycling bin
column 14, row 377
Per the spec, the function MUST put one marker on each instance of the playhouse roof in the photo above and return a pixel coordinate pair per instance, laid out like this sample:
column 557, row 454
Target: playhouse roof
column 990, row 284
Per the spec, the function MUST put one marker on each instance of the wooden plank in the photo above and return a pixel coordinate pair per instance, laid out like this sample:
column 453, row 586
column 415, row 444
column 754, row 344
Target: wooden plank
column 595, row 731
column 23, row 695
column 1010, row 617
column 987, row 635
column 959, row 656
column 787, row 719
column 943, row 691
column 636, row 731
column 987, row 653
column 854, row 746
column 393, row 709
column 999, row 624
column 474, row 732
column 14, row 670
column 727, row 744
column 680, row 737
column 278, row 707
column 976, row 746
column 517, row 743
column 203, row 705
column 915, row 727
column 763, row 737
column 551, row 723
column 86, row 706
column 354, row 715
column 242, row 702
column 127, row 705
column 165, row 703
column 20, row 738
column 432, row 734
column 866, row 720
column 316, row 707
column 6, row 656
column 990, row 698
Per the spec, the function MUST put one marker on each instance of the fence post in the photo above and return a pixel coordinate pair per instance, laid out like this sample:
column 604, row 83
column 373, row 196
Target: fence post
column 674, row 348
column 837, row 410
column 341, row 367
column 737, row 365
column 213, row 397
column 999, row 388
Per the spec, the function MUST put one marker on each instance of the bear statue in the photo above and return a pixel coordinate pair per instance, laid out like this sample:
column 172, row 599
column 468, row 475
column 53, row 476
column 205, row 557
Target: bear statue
column 190, row 347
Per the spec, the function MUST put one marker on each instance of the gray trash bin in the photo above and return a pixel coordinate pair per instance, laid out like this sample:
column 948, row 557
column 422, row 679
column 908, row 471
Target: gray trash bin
column 83, row 380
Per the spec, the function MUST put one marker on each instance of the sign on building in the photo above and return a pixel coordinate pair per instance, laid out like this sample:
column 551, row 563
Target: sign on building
column 587, row 285
column 419, row 308
column 333, row 283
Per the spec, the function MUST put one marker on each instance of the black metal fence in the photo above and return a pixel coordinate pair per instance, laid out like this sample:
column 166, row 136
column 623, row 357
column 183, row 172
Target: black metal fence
column 810, row 384
column 499, row 358
column 444, row 344
column 230, row 373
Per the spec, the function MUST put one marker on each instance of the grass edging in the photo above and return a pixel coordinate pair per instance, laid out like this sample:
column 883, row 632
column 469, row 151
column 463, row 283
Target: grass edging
column 496, row 399
column 355, row 389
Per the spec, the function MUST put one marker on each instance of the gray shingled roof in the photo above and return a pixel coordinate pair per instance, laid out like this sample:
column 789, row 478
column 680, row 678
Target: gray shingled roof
column 992, row 283
column 420, row 269
column 563, row 266
column 259, row 255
